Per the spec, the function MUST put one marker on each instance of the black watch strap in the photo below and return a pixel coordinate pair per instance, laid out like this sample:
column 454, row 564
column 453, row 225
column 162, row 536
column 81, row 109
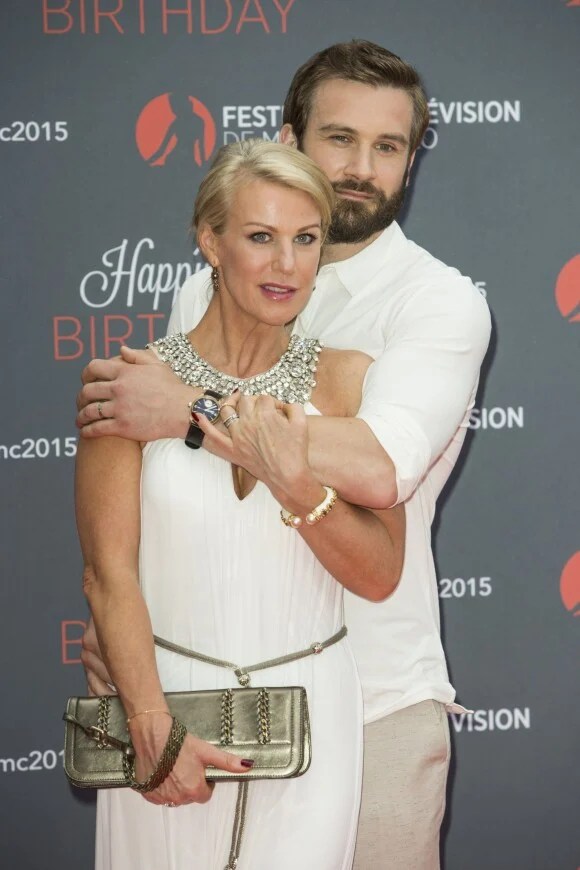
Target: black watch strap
column 195, row 435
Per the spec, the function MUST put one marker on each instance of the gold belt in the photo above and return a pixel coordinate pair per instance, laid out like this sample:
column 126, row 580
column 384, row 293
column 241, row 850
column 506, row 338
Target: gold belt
column 243, row 673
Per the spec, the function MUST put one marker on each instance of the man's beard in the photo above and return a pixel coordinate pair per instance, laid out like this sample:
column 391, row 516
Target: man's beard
column 358, row 221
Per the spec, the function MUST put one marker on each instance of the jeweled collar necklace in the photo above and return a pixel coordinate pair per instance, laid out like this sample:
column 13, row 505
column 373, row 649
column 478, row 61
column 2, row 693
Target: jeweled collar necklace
column 291, row 379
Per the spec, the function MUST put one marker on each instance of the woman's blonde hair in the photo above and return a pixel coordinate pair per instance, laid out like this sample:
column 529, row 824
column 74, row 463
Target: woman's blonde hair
column 250, row 159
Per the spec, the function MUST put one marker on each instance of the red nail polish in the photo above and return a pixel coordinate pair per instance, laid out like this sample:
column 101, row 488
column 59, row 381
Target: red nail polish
column 247, row 762
column 195, row 417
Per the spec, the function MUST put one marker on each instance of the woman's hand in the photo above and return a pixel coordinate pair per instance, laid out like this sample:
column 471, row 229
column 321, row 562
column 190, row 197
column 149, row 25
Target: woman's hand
column 269, row 439
column 98, row 677
column 186, row 784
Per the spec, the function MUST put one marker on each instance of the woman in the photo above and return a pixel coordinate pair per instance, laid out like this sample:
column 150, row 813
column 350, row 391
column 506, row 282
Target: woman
column 217, row 561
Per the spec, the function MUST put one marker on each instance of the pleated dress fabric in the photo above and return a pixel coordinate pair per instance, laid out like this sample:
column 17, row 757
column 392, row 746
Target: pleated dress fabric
column 226, row 578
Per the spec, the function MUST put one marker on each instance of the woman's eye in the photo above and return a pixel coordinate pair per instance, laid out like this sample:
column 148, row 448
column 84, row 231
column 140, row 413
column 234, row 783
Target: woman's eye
column 261, row 238
column 306, row 238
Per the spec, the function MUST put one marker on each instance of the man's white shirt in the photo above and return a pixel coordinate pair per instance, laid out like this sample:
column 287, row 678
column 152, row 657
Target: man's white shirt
column 427, row 328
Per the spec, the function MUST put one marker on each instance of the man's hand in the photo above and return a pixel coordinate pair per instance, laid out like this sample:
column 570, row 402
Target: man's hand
column 133, row 396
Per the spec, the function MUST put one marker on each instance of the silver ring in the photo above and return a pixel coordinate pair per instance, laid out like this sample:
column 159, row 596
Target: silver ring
column 229, row 420
column 170, row 804
column 100, row 410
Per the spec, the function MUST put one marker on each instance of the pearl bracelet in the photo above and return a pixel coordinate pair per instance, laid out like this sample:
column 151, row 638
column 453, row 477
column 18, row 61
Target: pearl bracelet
column 316, row 514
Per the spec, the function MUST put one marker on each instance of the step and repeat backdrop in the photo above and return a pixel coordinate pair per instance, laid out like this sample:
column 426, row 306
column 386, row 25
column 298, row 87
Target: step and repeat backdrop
column 110, row 112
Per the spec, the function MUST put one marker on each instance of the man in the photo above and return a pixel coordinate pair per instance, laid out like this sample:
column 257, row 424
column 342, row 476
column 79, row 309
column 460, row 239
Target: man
column 360, row 112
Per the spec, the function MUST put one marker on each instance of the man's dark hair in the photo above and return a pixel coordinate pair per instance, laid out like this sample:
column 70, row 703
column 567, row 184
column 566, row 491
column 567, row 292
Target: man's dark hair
column 356, row 61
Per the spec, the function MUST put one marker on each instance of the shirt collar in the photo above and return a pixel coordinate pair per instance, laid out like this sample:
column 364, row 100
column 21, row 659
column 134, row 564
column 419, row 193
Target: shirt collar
column 354, row 273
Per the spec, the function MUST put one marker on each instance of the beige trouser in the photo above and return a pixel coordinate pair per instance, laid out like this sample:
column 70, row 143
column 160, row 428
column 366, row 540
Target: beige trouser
column 406, row 759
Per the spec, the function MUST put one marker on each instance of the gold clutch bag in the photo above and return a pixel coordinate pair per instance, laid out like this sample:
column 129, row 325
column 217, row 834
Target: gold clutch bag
column 269, row 725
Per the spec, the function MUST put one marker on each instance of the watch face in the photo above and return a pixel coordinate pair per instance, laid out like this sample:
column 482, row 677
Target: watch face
column 208, row 407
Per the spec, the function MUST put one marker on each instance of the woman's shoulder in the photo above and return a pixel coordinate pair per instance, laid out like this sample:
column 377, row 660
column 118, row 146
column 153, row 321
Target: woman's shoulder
column 339, row 381
column 345, row 360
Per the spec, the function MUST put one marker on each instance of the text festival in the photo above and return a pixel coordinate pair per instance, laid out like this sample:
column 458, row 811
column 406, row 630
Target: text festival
column 207, row 17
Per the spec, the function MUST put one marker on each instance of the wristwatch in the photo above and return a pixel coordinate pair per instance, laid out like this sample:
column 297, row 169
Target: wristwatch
column 209, row 406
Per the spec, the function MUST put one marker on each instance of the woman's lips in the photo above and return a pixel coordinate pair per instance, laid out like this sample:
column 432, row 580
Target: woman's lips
column 278, row 292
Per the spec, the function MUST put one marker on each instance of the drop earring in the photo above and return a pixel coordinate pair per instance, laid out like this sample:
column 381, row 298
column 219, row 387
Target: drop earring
column 215, row 279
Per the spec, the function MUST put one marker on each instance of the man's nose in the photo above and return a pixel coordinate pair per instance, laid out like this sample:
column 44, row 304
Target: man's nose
column 361, row 165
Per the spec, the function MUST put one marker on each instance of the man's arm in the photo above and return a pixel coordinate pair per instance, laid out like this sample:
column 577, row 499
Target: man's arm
column 144, row 401
column 416, row 396
column 414, row 399
column 417, row 393
column 142, row 404
column 344, row 451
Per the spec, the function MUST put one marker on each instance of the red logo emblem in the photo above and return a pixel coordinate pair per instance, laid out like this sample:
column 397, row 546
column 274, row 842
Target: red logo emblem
column 168, row 122
column 568, row 290
column 570, row 585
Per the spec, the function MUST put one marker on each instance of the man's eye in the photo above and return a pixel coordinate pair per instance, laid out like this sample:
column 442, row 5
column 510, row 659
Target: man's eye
column 261, row 238
column 306, row 238
column 338, row 137
column 386, row 146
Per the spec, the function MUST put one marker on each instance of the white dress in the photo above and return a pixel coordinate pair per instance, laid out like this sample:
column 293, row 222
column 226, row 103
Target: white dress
column 225, row 577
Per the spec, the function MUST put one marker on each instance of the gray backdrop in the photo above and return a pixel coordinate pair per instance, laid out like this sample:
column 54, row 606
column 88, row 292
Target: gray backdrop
column 106, row 125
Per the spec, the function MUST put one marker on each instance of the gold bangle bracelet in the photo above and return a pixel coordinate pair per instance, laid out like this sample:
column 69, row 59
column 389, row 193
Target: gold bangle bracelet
column 290, row 520
column 316, row 514
column 145, row 713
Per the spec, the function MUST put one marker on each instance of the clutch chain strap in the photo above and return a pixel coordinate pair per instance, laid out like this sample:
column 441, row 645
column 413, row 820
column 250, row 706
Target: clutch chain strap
column 227, row 725
column 100, row 734
column 226, row 730
column 239, row 823
column 165, row 765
